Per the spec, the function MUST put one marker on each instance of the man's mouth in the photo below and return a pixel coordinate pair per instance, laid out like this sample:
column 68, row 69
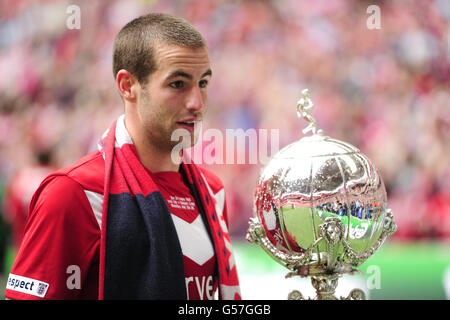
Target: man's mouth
column 189, row 124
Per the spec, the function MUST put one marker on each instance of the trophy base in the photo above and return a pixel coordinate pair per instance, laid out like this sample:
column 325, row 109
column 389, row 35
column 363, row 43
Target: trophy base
column 325, row 286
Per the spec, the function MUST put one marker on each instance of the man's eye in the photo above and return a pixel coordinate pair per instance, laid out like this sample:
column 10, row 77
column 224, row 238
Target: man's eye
column 203, row 83
column 177, row 84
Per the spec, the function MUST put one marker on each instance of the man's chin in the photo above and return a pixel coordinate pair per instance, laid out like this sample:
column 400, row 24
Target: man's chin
column 190, row 141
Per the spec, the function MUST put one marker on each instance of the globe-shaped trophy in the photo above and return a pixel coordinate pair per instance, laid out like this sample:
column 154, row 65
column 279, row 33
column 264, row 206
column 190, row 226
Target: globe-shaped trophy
column 320, row 209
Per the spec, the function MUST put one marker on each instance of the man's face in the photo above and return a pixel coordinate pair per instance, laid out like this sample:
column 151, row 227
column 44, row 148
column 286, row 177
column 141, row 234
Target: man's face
column 175, row 95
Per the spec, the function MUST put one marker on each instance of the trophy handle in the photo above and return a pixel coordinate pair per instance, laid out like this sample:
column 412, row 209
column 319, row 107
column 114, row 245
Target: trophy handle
column 389, row 228
column 332, row 232
column 257, row 235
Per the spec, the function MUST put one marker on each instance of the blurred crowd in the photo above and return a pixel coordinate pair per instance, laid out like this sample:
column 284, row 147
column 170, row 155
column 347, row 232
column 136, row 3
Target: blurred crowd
column 383, row 90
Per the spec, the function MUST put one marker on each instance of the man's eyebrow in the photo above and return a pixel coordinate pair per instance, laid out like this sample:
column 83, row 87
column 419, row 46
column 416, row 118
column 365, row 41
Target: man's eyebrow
column 207, row 73
column 179, row 73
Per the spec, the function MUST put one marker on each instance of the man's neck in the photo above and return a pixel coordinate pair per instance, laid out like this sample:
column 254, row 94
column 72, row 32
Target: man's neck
column 153, row 158
column 156, row 161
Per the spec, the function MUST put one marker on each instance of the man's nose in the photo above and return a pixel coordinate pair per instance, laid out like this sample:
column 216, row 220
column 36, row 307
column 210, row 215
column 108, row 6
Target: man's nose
column 196, row 99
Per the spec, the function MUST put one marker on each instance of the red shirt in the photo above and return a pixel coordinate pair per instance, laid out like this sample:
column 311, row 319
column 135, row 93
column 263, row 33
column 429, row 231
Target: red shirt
column 197, row 247
column 18, row 196
column 59, row 255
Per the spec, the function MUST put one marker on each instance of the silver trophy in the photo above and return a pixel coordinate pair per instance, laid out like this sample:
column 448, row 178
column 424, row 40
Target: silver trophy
column 320, row 209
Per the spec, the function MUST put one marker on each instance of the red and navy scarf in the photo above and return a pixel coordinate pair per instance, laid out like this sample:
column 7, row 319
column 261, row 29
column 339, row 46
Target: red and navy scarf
column 140, row 254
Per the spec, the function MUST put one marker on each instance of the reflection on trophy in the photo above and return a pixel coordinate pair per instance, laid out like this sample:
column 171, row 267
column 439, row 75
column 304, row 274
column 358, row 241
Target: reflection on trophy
column 320, row 209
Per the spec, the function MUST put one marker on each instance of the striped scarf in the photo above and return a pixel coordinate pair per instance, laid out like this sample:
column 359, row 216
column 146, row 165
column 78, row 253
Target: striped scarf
column 140, row 254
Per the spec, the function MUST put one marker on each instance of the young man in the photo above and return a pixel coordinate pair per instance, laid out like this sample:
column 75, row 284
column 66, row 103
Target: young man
column 130, row 221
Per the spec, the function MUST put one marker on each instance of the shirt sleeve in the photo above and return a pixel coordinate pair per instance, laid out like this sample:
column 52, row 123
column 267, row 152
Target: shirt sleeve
column 60, row 244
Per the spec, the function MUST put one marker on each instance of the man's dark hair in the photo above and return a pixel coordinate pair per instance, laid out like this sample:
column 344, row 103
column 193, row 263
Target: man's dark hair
column 134, row 46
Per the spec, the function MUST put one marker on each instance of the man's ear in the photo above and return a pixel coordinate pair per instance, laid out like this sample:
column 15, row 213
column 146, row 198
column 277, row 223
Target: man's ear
column 127, row 85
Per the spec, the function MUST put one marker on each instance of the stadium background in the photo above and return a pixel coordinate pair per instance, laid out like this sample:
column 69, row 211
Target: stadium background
column 384, row 90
